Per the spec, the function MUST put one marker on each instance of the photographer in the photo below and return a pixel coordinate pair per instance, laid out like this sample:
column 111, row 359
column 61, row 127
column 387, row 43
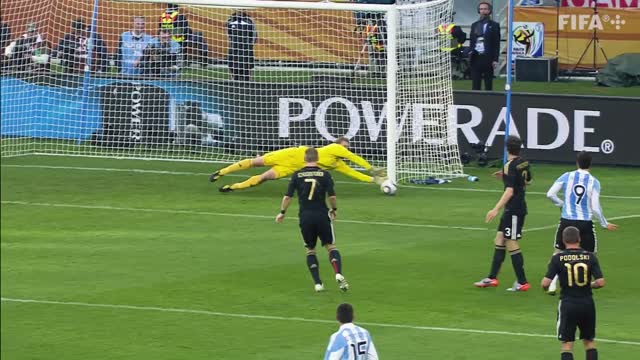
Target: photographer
column 29, row 52
column 162, row 57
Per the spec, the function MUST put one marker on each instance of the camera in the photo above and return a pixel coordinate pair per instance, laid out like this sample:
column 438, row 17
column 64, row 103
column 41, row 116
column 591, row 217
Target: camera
column 480, row 155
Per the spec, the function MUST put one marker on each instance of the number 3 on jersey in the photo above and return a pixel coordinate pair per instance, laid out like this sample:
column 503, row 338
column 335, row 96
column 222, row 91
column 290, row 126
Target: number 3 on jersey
column 312, row 190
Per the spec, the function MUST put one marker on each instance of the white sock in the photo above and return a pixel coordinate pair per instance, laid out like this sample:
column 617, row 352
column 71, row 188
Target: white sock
column 554, row 284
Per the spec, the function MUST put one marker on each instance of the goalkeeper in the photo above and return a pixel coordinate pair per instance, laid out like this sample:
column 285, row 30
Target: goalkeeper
column 285, row 162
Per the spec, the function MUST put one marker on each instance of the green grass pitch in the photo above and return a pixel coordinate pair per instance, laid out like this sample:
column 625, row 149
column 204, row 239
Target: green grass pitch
column 150, row 265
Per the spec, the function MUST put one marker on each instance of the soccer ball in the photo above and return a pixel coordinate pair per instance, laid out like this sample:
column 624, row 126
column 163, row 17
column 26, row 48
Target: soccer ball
column 388, row 187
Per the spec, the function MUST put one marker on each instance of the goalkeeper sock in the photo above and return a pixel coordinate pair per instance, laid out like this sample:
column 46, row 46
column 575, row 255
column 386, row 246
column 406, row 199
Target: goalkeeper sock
column 518, row 265
column 498, row 258
column 566, row 356
column 592, row 354
column 252, row 181
column 336, row 261
column 240, row 165
column 312, row 263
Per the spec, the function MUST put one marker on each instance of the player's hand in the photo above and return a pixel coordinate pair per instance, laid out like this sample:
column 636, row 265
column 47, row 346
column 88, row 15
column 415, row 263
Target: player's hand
column 279, row 218
column 375, row 171
column 491, row 215
column 612, row 227
column 498, row 174
column 379, row 179
column 333, row 214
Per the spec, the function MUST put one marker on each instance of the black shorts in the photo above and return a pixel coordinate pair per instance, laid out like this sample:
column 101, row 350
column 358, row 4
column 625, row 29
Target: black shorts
column 574, row 315
column 316, row 225
column 511, row 226
column 588, row 239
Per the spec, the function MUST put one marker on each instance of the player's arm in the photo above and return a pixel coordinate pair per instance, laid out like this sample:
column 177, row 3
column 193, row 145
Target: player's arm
column 341, row 152
column 597, row 209
column 596, row 273
column 372, row 353
column 286, row 200
column 343, row 168
column 336, row 348
column 331, row 192
column 552, row 194
column 552, row 271
column 506, row 195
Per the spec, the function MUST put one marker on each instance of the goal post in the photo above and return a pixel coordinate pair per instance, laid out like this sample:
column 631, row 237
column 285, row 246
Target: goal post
column 244, row 77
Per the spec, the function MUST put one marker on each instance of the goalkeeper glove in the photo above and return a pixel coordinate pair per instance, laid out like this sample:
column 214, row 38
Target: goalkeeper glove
column 375, row 171
column 379, row 179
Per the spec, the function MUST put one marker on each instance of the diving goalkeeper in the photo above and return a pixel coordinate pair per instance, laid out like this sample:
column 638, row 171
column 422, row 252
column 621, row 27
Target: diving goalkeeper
column 285, row 162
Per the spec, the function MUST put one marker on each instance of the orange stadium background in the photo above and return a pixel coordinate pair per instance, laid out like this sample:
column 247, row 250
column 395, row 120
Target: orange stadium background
column 291, row 35
column 617, row 29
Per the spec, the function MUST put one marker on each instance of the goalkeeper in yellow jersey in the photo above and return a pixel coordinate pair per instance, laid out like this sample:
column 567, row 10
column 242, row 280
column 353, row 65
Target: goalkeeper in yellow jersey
column 285, row 162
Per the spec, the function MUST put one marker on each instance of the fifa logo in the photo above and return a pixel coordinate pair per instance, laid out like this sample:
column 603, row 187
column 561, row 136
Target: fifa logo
column 590, row 22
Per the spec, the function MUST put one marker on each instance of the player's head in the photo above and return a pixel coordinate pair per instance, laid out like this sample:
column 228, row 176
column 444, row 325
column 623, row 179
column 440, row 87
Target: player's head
column 311, row 155
column 343, row 140
column 344, row 314
column 583, row 160
column 571, row 235
column 485, row 9
column 514, row 144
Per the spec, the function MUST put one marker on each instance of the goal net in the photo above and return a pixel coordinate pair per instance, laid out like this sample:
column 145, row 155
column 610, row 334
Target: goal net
column 202, row 81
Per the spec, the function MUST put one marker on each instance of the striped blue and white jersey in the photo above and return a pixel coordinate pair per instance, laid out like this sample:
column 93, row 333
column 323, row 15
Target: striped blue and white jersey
column 581, row 196
column 351, row 342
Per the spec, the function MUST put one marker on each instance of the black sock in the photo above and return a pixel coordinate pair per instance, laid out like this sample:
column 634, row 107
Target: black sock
column 518, row 265
column 336, row 261
column 498, row 258
column 312, row 263
column 566, row 356
column 592, row 354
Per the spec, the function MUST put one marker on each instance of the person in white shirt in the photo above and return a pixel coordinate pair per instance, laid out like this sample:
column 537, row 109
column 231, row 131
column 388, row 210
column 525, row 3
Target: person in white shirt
column 350, row 342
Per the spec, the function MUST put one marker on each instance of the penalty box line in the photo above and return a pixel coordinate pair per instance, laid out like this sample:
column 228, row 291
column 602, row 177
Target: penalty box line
column 293, row 319
column 270, row 217
column 188, row 173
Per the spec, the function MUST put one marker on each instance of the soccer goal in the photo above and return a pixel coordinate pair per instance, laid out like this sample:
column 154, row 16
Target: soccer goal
column 215, row 80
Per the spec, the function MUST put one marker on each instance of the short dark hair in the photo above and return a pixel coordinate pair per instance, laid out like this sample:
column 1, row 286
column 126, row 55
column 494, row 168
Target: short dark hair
column 342, row 139
column 514, row 144
column 584, row 160
column 311, row 155
column 344, row 314
column 571, row 235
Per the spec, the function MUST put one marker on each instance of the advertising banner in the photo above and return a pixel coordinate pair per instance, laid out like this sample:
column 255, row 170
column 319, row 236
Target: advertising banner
column 618, row 4
column 268, row 116
column 572, row 28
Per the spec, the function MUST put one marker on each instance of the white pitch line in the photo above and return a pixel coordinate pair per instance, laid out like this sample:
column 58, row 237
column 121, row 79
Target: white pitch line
column 556, row 225
column 207, row 213
column 165, row 172
column 296, row 319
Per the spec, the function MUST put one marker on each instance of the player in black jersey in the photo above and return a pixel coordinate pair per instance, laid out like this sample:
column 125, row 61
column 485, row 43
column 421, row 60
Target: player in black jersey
column 313, row 185
column 575, row 268
column 515, row 175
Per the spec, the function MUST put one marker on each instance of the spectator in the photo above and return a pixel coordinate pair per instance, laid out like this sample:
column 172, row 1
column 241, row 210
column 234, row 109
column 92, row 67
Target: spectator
column 163, row 56
column 376, row 35
column 29, row 52
column 485, row 48
column 5, row 39
column 73, row 50
column 242, row 38
column 193, row 43
column 131, row 47
column 5, row 35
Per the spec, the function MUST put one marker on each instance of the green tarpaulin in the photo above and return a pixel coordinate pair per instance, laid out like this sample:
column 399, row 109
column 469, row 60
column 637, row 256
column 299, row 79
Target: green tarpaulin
column 621, row 71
